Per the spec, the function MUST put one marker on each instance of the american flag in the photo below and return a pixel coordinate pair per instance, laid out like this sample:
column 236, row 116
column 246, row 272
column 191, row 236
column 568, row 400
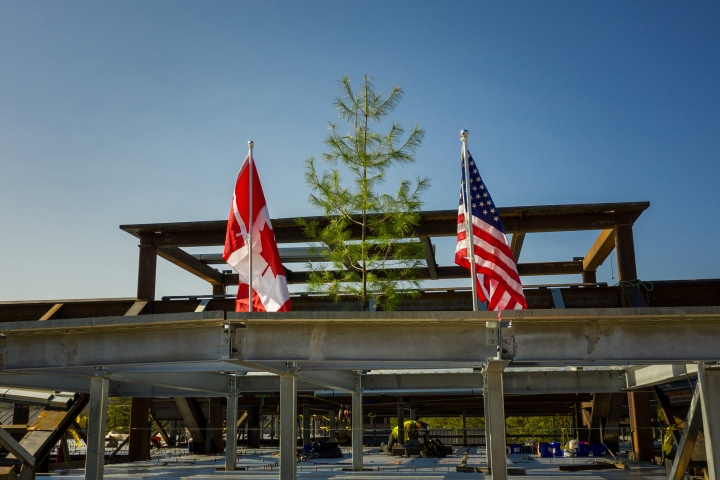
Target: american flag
column 498, row 282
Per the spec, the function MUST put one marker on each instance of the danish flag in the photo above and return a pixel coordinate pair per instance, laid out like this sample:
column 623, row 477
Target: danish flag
column 270, row 292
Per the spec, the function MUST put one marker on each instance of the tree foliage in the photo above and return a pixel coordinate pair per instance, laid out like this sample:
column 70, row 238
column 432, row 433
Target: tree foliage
column 382, row 264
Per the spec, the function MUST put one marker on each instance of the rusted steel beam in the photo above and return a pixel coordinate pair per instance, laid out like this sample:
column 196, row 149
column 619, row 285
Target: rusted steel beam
column 528, row 219
column 600, row 250
column 516, row 245
column 147, row 269
column 184, row 260
column 447, row 272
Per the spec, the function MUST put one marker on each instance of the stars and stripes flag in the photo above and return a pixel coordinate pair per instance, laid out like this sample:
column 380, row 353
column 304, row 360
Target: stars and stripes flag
column 498, row 282
column 270, row 292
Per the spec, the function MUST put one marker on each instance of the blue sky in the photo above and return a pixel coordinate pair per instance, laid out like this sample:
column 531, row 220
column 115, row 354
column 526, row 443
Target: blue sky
column 132, row 112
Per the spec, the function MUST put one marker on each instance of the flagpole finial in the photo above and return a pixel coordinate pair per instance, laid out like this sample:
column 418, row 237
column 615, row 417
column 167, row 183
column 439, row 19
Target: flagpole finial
column 251, row 144
column 464, row 135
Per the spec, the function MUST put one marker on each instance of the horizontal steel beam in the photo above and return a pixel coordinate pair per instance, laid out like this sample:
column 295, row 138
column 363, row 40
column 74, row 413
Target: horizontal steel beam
column 217, row 384
column 100, row 342
column 362, row 340
column 648, row 375
column 537, row 337
column 527, row 219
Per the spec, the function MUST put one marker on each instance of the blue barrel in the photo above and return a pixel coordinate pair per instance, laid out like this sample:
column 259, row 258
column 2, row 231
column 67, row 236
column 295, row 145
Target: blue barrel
column 515, row 448
column 545, row 450
column 583, row 449
column 598, row 449
column 555, row 448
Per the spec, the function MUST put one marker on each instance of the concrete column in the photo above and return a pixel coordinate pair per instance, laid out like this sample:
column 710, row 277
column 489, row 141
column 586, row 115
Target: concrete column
column 709, row 383
column 231, row 419
column 401, row 421
column 331, row 430
column 496, row 411
column 306, row 424
column 357, row 432
column 288, row 419
column 95, row 459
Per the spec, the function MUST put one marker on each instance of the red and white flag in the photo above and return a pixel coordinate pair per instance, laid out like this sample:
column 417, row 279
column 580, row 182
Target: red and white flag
column 498, row 282
column 270, row 292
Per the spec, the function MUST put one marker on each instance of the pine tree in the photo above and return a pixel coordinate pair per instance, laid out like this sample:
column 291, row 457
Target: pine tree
column 367, row 235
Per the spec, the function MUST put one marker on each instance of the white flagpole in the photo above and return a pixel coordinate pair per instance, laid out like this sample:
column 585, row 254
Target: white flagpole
column 251, row 144
column 468, row 219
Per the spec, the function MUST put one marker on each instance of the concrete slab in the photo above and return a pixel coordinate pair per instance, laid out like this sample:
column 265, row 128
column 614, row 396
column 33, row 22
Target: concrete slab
column 262, row 464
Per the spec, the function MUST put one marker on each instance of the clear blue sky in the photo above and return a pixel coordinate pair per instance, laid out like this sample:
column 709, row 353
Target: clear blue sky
column 132, row 112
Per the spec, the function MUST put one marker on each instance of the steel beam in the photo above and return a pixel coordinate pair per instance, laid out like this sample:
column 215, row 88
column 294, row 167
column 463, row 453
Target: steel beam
column 95, row 458
column 357, row 432
column 644, row 376
column 709, row 386
column 231, row 429
column 184, row 260
column 496, row 412
column 288, row 426
column 687, row 441
column 528, row 219
column 600, row 250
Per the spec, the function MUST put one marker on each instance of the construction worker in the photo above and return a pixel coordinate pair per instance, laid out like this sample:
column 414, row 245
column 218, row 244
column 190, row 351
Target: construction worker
column 414, row 430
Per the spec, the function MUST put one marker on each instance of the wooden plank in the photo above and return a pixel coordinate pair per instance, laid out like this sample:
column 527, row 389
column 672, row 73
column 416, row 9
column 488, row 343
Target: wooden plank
column 136, row 308
column 187, row 262
column 516, row 244
column 603, row 246
column 50, row 313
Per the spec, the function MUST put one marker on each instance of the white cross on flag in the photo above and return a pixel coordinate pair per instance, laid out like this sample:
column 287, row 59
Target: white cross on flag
column 270, row 292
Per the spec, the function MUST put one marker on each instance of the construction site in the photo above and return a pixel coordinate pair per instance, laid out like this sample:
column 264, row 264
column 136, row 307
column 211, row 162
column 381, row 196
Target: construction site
column 630, row 371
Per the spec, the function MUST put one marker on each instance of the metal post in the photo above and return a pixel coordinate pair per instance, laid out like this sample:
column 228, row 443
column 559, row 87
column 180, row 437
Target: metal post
column 401, row 421
column 306, row 424
column 464, row 426
column 288, row 416
column 251, row 145
column 231, row 427
column 468, row 218
column 357, row 432
column 688, row 439
column 413, row 414
column 496, row 407
column 95, row 458
column 331, row 429
column 488, row 422
column 709, row 384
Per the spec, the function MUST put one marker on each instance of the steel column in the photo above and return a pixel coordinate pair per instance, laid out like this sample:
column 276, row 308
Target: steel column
column 147, row 269
column 488, row 421
column 688, row 439
column 709, row 385
column 288, row 417
column 496, row 406
column 95, row 458
column 331, row 427
column 357, row 432
column 231, row 429
column 401, row 421
column 306, row 424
